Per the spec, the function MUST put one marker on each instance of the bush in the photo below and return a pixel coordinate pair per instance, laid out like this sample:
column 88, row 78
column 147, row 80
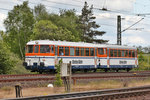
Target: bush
column 10, row 63
column 144, row 63
column 58, row 81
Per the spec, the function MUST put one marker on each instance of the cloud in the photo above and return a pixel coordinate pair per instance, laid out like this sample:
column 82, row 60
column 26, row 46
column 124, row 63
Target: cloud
column 126, row 5
column 2, row 17
column 103, row 15
column 136, row 40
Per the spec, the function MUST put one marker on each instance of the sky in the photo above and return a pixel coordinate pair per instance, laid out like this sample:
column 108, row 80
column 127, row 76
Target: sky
column 137, row 35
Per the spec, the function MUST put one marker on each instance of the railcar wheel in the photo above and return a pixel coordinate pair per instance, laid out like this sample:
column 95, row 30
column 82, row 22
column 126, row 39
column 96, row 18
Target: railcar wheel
column 128, row 70
column 106, row 70
column 117, row 70
column 40, row 72
column 85, row 70
column 94, row 70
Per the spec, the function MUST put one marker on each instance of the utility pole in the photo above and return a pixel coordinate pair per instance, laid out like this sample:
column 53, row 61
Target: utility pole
column 118, row 30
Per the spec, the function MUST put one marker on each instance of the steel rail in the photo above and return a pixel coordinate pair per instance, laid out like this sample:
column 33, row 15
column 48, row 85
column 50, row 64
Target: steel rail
column 76, row 74
column 52, row 78
column 26, row 75
column 22, row 75
column 111, row 96
column 93, row 94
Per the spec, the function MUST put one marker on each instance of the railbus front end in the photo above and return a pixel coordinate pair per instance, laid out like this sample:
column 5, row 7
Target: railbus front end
column 39, row 58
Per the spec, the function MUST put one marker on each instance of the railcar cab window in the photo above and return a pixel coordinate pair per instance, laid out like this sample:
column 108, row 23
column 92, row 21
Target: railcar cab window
column 44, row 49
column 29, row 49
column 36, row 49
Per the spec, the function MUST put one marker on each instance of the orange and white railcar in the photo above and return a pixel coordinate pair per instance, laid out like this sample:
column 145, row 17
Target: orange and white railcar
column 43, row 55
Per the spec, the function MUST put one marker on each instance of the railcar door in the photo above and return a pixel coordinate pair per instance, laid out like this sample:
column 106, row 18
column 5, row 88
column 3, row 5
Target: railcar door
column 102, row 58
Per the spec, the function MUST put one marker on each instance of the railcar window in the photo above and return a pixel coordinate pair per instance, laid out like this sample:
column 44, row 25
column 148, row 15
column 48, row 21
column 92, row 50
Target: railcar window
column 61, row 51
column 111, row 52
column 56, row 50
column 87, row 51
column 82, row 51
column 126, row 53
column 30, row 49
column 104, row 51
column 36, row 49
column 91, row 51
column 122, row 53
column 95, row 51
column 71, row 51
column 115, row 53
column 130, row 53
column 52, row 49
column 119, row 53
column 133, row 53
column 77, row 51
column 100, row 51
column 44, row 49
column 66, row 51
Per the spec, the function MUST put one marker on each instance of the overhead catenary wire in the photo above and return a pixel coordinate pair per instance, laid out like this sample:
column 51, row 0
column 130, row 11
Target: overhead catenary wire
column 71, row 5
column 95, row 8
column 4, row 9
column 62, row 3
column 132, row 25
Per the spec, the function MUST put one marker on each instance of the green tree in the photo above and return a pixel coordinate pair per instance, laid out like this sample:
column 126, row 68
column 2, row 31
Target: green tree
column 58, row 81
column 40, row 12
column 45, row 29
column 89, row 26
column 69, row 20
column 19, row 25
column 10, row 63
column 141, row 57
column 6, row 61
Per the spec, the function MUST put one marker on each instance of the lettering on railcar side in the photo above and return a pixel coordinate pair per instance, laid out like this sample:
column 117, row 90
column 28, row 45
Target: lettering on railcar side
column 122, row 62
column 77, row 61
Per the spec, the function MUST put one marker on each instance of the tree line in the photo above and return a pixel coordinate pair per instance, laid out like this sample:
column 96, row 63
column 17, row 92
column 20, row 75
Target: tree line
column 24, row 24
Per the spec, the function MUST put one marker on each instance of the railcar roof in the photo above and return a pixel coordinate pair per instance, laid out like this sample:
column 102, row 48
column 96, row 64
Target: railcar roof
column 79, row 44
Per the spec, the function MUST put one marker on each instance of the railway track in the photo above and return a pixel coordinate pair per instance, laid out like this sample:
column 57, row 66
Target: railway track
column 45, row 77
column 109, row 94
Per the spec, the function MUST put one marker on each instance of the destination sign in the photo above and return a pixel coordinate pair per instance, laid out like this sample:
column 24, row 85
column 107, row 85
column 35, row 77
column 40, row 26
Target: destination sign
column 77, row 61
column 122, row 62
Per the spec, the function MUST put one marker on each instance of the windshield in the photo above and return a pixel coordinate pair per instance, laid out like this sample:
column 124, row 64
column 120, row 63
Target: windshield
column 29, row 49
column 44, row 49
